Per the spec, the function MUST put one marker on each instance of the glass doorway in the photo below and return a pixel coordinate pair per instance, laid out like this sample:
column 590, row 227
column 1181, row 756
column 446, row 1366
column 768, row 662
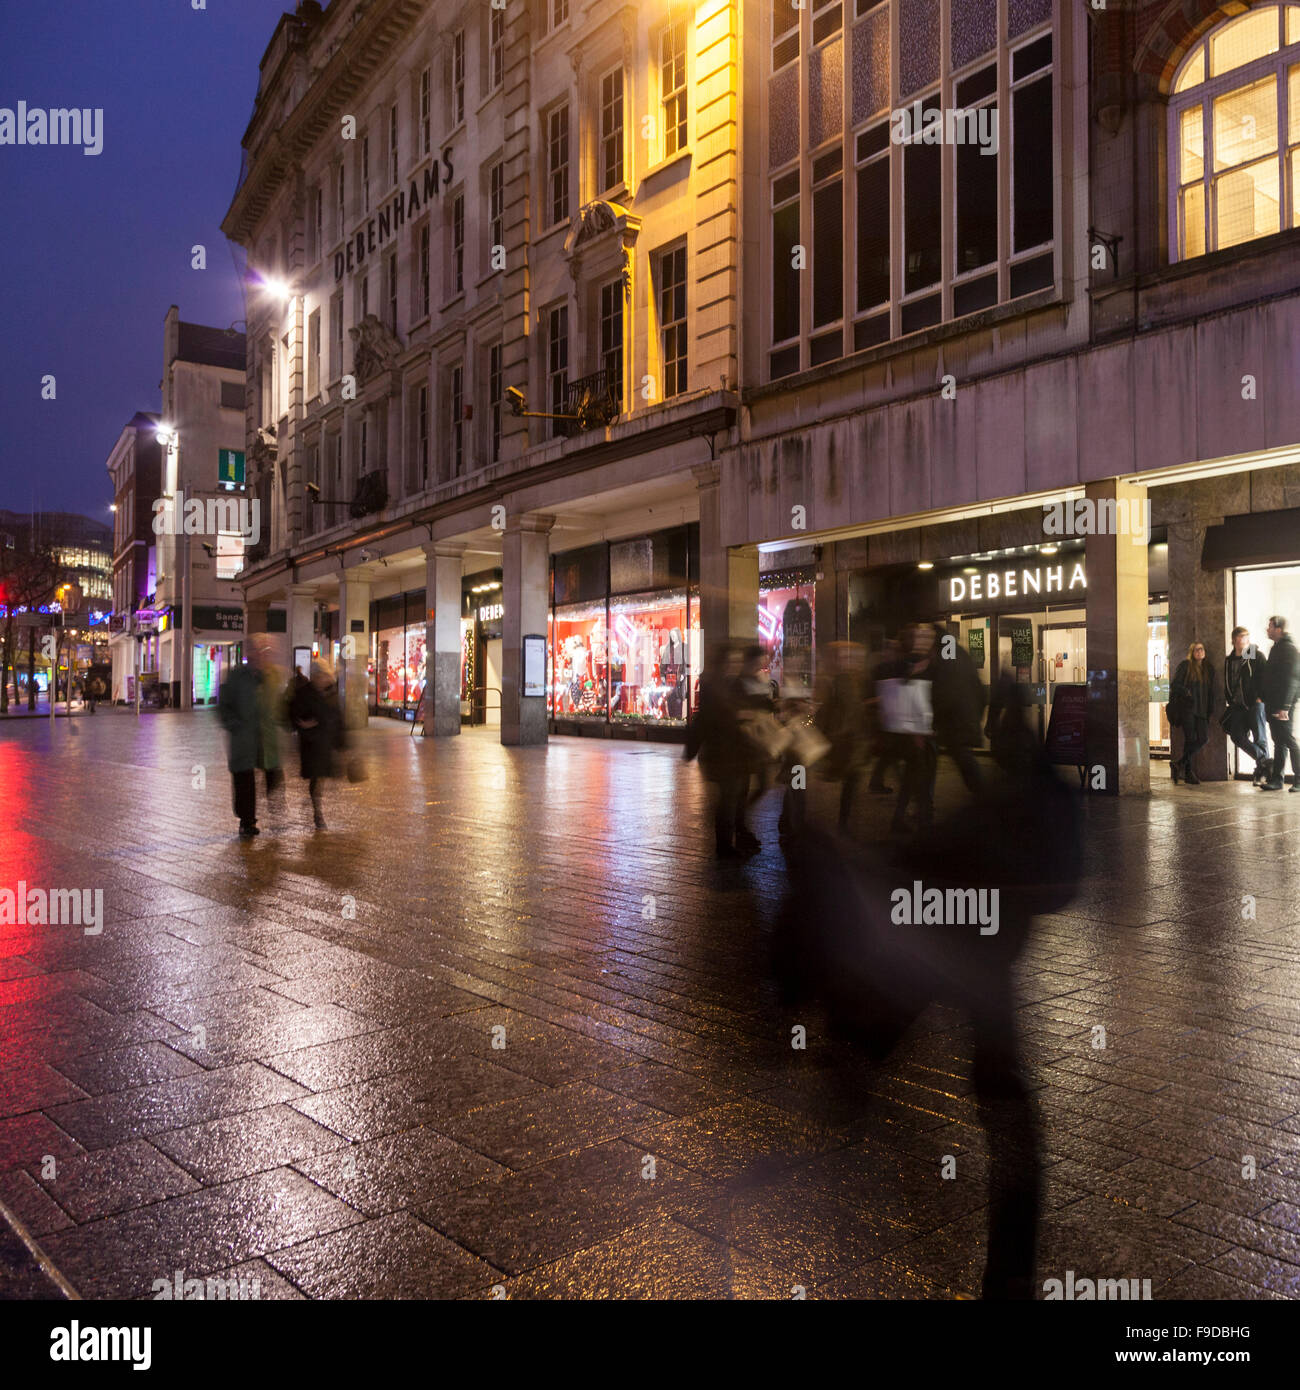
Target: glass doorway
column 1258, row 595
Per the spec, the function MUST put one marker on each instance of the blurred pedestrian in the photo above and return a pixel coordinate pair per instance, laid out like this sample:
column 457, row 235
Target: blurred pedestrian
column 1191, row 692
column 958, row 708
column 842, row 719
column 314, row 712
column 1281, row 690
column 907, row 711
column 1244, row 718
column 239, row 706
column 842, row 939
column 714, row 738
column 94, row 692
column 806, row 747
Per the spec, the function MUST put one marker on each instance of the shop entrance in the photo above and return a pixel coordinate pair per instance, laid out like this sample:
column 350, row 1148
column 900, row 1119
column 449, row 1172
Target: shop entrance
column 492, row 683
column 1258, row 595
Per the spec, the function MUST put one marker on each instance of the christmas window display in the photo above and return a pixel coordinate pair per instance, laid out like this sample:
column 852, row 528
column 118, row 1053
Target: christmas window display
column 649, row 667
column 579, row 662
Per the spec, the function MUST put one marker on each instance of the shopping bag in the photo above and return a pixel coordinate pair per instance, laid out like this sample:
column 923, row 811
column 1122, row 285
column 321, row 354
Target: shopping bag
column 808, row 745
column 764, row 736
column 905, row 706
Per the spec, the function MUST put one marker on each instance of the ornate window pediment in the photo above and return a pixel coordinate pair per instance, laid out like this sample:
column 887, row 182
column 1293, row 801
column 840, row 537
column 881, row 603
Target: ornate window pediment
column 602, row 231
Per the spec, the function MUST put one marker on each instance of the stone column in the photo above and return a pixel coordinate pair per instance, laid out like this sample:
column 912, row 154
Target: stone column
column 525, row 592
column 443, row 565
column 1118, row 746
column 301, row 622
column 354, row 646
column 255, row 615
column 1200, row 609
column 728, row 577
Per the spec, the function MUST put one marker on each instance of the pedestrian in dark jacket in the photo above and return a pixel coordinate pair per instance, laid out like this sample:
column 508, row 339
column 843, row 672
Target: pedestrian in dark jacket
column 1281, row 690
column 314, row 712
column 1244, row 718
column 958, row 708
column 1191, row 692
column 240, row 708
column 714, row 737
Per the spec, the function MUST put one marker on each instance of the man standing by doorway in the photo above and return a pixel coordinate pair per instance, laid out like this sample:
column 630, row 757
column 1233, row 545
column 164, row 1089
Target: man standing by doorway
column 1244, row 719
column 1281, row 690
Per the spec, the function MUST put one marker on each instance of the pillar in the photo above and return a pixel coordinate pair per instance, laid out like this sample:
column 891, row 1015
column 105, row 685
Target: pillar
column 256, row 618
column 525, row 591
column 302, row 621
column 443, row 567
column 728, row 576
column 1117, row 742
column 1200, row 610
column 354, row 646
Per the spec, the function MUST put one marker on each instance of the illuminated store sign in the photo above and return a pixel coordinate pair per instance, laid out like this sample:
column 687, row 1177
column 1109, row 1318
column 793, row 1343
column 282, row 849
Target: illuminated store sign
column 491, row 612
column 1029, row 581
column 405, row 205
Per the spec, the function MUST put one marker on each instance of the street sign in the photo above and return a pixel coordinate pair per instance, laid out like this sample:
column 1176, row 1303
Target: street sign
column 230, row 466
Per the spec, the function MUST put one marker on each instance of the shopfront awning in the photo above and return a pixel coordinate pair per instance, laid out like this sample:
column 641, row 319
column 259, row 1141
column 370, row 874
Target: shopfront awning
column 1260, row 538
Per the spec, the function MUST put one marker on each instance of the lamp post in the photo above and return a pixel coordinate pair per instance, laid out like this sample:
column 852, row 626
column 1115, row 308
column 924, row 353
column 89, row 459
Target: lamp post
column 170, row 440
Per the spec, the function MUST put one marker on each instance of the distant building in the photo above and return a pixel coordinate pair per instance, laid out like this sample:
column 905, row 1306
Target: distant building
column 82, row 550
column 203, row 402
column 135, row 466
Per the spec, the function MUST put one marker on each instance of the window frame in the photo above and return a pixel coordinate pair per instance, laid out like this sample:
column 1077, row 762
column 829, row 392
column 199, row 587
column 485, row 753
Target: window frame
column 1204, row 94
column 612, row 143
column 554, row 218
column 679, row 95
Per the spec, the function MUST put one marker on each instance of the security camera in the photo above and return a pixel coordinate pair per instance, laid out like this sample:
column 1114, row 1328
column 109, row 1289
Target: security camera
column 516, row 400
column 314, row 489
column 367, row 555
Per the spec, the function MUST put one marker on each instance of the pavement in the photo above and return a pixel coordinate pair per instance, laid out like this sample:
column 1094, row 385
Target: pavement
column 505, row 1030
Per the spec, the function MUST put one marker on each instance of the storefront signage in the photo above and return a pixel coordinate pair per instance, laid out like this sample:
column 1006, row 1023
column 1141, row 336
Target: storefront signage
column 1024, row 582
column 534, row 666
column 230, row 467
column 209, row 619
column 377, row 230
column 975, row 645
column 491, row 613
column 1021, row 632
column 1067, row 729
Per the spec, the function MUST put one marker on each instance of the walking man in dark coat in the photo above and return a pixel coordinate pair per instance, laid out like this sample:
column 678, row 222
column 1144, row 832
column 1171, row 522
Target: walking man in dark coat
column 1281, row 691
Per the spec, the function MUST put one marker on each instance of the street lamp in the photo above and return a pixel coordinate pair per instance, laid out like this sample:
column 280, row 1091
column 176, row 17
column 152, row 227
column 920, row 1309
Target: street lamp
column 168, row 437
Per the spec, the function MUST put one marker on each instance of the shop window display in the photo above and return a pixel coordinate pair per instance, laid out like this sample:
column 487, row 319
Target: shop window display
column 399, row 667
column 786, row 627
column 649, row 667
column 579, row 661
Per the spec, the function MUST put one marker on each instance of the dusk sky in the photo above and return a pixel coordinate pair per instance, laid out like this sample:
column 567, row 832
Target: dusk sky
column 95, row 248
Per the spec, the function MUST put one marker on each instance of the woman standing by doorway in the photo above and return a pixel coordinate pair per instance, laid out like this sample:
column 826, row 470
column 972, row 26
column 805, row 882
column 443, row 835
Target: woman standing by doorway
column 1191, row 692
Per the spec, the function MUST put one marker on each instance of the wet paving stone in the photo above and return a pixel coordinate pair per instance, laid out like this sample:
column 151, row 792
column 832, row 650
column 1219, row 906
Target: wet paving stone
column 202, row 1232
column 98, row 1184
column 384, row 1175
column 430, row 1052
column 392, row 1257
column 252, row 1141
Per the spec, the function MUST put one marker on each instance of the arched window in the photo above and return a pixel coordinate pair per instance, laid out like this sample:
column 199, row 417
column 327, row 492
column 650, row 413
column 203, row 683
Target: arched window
column 1234, row 133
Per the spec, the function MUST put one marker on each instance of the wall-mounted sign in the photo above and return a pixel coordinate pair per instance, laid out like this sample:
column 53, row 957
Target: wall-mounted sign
column 1021, row 632
column 491, row 612
column 208, row 618
column 230, row 467
column 534, row 666
column 371, row 236
column 1018, row 584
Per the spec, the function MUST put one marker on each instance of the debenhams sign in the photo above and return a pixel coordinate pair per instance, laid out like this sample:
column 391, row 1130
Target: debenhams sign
column 388, row 220
column 1029, row 581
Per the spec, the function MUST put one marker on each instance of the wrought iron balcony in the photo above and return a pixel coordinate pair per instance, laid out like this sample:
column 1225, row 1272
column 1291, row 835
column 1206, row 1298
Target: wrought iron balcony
column 591, row 403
